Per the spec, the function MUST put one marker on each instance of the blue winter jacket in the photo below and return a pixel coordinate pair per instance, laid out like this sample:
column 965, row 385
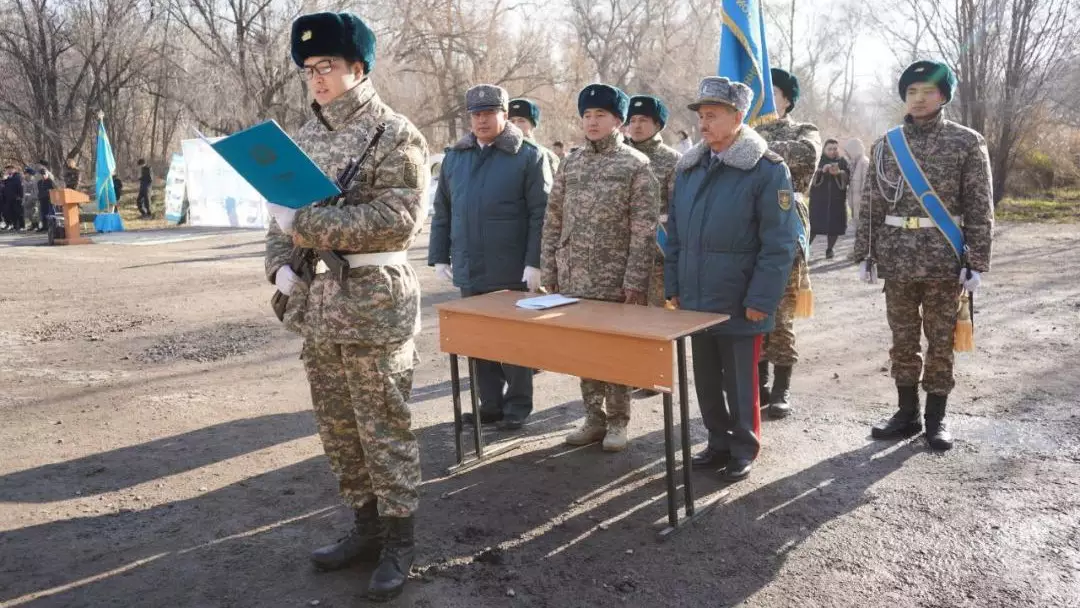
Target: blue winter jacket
column 489, row 211
column 731, row 233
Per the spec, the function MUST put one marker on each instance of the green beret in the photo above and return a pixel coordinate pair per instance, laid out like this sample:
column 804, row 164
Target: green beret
column 603, row 97
column 788, row 83
column 333, row 35
column 651, row 106
column 525, row 108
column 929, row 71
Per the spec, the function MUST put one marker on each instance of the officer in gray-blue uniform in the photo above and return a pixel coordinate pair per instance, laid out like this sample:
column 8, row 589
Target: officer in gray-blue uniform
column 730, row 246
column 485, row 236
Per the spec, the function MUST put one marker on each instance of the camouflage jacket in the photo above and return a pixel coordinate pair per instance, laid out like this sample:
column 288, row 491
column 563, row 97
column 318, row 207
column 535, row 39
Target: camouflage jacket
column 957, row 165
column 551, row 158
column 799, row 143
column 600, row 222
column 662, row 161
column 381, row 212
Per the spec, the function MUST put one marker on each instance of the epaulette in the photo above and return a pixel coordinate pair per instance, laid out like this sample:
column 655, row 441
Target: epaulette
column 772, row 157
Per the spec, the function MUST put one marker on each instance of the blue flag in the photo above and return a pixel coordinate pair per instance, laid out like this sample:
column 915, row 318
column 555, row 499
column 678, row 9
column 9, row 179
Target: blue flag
column 105, row 169
column 744, row 56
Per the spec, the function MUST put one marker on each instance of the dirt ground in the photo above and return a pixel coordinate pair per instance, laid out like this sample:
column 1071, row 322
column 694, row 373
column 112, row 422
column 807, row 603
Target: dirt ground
column 158, row 449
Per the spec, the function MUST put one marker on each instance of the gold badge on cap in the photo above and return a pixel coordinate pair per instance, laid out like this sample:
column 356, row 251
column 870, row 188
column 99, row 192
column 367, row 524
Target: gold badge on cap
column 784, row 198
column 637, row 104
column 306, row 35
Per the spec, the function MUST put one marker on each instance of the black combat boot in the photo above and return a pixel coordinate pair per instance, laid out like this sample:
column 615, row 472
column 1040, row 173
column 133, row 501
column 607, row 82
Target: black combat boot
column 937, row 435
column 396, row 560
column 778, row 403
column 905, row 422
column 763, row 384
column 363, row 543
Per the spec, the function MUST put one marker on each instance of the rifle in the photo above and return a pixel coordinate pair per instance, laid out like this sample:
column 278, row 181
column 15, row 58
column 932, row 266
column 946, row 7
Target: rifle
column 301, row 258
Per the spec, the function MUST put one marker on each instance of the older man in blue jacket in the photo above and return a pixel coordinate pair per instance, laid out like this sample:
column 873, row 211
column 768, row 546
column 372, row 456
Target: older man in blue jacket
column 485, row 236
column 731, row 243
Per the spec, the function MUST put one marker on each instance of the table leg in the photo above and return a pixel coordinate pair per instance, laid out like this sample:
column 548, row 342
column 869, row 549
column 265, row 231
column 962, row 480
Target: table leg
column 692, row 511
column 669, row 456
column 478, row 437
column 684, row 423
column 455, row 389
column 481, row 454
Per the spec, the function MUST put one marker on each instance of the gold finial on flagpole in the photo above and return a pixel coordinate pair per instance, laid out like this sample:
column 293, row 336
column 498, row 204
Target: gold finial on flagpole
column 101, row 115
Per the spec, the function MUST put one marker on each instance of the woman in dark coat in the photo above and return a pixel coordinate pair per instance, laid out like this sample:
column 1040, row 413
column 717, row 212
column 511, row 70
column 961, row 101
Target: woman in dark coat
column 828, row 196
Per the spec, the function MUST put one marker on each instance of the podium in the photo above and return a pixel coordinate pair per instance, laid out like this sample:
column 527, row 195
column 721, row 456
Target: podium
column 68, row 201
column 637, row 346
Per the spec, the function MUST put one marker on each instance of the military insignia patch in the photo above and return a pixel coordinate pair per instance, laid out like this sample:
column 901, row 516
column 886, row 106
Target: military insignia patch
column 306, row 35
column 785, row 197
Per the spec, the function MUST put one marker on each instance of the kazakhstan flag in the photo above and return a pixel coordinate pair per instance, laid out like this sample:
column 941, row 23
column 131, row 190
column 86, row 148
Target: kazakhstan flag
column 744, row 56
column 106, row 168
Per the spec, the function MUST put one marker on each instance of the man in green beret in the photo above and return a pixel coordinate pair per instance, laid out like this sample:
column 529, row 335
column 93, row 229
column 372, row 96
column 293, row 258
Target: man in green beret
column 799, row 143
column 358, row 329
column 525, row 115
column 597, row 240
column 929, row 247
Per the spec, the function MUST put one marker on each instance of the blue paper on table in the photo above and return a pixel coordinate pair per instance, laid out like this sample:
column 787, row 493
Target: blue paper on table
column 275, row 166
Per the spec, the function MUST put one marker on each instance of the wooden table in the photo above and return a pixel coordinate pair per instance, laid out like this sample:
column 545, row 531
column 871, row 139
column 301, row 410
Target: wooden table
column 633, row 345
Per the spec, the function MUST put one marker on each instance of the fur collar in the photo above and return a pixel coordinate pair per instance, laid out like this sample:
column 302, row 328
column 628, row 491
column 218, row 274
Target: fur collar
column 744, row 154
column 508, row 141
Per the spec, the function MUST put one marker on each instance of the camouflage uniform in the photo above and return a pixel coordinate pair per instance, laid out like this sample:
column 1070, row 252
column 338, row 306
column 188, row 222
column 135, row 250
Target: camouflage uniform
column 358, row 338
column 918, row 264
column 662, row 161
column 551, row 158
column 800, row 145
column 597, row 240
column 31, row 212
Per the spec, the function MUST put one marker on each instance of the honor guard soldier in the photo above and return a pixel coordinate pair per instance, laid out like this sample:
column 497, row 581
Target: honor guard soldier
column 926, row 229
column 358, row 325
column 648, row 117
column 485, row 236
column 525, row 115
column 730, row 246
column 598, row 232
column 799, row 143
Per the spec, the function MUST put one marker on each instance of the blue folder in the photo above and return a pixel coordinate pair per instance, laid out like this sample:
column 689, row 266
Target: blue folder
column 275, row 166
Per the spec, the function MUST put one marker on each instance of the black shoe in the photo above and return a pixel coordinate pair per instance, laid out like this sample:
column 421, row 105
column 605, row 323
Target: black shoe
column 363, row 543
column 710, row 458
column 485, row 417
column 905, row 422
column 395, row 561
column 738, row 469
column 509, row 424
column 937, row 435
column 779, row 407
column 829, row 254
column 764, row 396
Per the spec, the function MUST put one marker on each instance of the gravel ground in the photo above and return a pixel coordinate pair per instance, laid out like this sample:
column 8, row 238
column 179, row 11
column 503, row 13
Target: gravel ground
column 159, row 450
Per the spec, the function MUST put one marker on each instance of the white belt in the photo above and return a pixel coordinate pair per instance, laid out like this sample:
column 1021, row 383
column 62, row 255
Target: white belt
column 384, row 258
column 915, row 222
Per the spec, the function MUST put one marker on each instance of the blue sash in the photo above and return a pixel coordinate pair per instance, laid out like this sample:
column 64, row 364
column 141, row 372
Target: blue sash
column 804, row 241
column 921, row 188
column 661, row 237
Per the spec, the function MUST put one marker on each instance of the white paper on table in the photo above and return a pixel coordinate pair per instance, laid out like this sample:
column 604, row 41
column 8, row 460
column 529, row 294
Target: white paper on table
column 545, row 302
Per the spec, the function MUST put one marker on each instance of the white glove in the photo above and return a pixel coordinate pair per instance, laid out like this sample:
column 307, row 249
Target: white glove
column 444, row 271
column 866, row 273
column 283, row 215
column 531, row 278
column 970, row 284
column 285, row 279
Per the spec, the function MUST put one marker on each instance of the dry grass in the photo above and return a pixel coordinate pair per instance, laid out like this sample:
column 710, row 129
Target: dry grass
column 1061, row 206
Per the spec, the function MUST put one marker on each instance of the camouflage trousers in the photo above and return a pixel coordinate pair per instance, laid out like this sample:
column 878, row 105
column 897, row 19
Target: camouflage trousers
column 779, row 346
column 360, row 395
column 31, row 215
column 656, row 283
column 595, row 393
column 939, row 301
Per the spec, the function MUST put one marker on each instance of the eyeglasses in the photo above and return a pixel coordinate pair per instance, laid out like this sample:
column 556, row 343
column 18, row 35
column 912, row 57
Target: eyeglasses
column 321, row 68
